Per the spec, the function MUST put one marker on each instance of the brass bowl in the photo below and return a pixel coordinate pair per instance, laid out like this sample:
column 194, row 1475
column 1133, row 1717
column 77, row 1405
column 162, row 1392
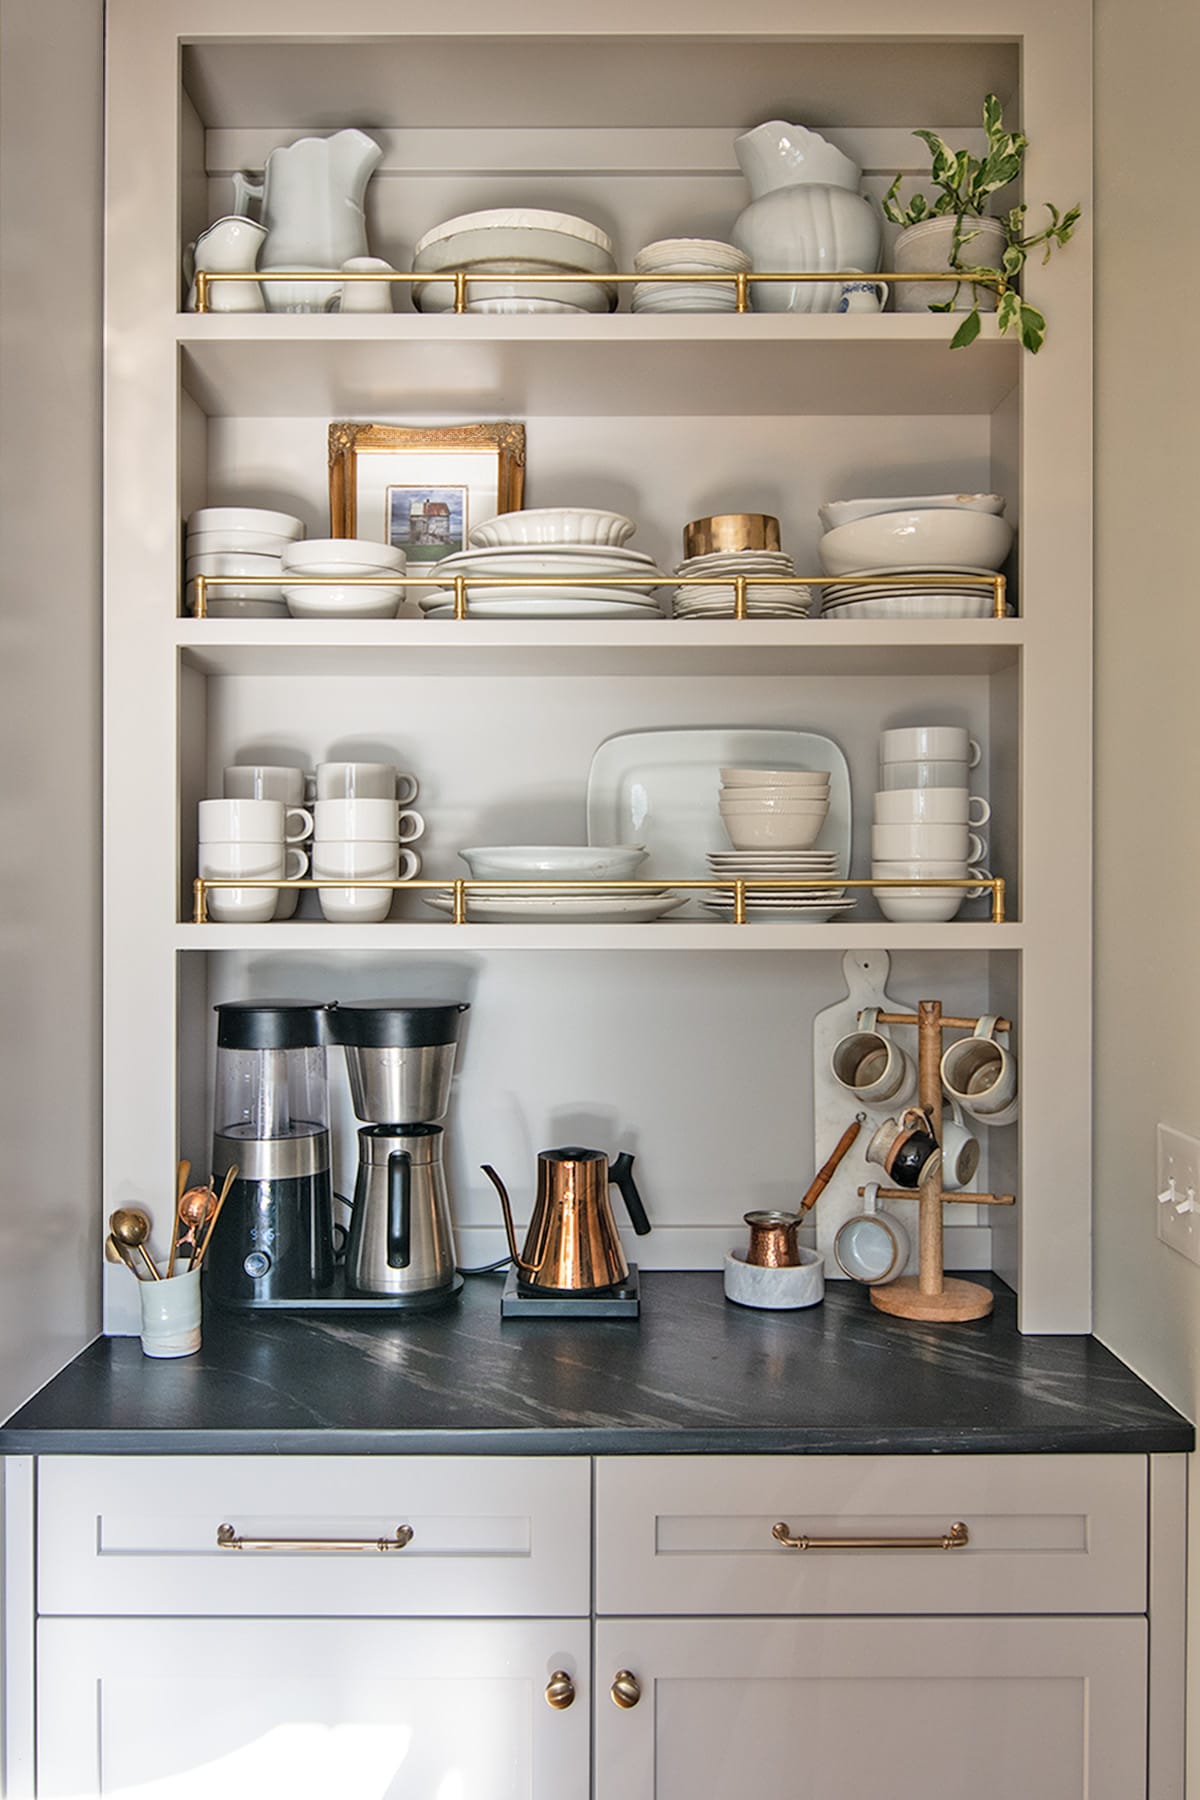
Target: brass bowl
column 731, row 531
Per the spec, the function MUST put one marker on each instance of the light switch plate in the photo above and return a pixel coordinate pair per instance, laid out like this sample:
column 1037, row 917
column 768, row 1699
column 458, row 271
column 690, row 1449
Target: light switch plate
column 1177, row 1170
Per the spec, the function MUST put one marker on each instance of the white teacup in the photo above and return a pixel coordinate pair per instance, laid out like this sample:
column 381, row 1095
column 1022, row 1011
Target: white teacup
column 930, row 905
column 960, row 1151
column 255, row 862
column 365, row 781
column 941, row 773
column 863, row 297
column 926, row 840
column 265, row 781
column 981, row 1075
column 872, row 1246
column 871, row 1066
column 929, row 743
column 339, row 820
column 367, row 296
column 944, row 806
column 253, row 821
column 360, row 859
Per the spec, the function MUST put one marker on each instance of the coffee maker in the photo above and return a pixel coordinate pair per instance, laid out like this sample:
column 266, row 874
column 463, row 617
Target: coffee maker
column 400, row 1062
column 273, row 1245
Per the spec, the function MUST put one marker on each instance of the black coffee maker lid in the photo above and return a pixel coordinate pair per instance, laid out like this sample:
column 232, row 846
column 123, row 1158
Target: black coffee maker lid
column 273, row 1024
column 396, row 1024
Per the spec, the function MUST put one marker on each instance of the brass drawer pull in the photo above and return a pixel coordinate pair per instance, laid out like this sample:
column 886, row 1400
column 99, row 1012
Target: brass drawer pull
column 954, row 1539
column 560, row 1691
column 626, row 1689
column 228, row 1539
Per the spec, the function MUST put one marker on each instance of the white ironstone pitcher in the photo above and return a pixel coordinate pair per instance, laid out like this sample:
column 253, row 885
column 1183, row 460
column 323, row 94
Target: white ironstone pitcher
column 311, row 201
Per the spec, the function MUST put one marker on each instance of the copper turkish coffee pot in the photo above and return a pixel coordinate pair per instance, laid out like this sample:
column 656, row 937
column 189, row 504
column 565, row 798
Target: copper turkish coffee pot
column 572, row 1246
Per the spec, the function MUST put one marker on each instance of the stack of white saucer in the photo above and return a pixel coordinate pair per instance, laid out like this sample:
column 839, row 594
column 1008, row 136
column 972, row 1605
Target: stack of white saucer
column 241, row 542
column 785, row 601
column 687, row 256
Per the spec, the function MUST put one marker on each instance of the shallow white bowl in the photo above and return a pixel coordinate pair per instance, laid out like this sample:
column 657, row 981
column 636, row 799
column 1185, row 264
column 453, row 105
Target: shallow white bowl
column 919, row 906
column 230, row 562
column 772, row 803
column 755, row 778
column 554, row 862
column 218, row 606
column 511, row 219
column 775, row 796
column 245, row 518
column 918, row 539
column 554, row 525
column 328, row 601
column 238, row 543
column 844, row 512
column 773, row 831
column 319, row 556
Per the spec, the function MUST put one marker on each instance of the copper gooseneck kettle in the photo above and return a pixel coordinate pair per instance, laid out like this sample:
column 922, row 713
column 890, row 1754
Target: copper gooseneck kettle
column 572, row 1246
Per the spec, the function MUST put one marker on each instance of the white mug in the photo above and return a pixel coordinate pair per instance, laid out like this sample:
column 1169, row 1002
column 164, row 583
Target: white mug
column 253, row 821
column 265, row 781
column 944, row 806
column 872, row 1246
column 981, row 1074
column 256, row 862
column 960, row 1151
column 359, row 859
column 862, row 297
column 340, row 820
column 929, row 743
column 939, row 773
column 925, row 840
column 365, row 781
column 367, row 296
column 869, row 1065
column 933, row 905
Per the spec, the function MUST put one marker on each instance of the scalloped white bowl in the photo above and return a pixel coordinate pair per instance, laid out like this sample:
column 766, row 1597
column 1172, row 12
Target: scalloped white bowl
column 554, row 525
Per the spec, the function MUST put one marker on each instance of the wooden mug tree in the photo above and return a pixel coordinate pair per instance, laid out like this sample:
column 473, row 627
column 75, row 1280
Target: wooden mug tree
column 931, row 1294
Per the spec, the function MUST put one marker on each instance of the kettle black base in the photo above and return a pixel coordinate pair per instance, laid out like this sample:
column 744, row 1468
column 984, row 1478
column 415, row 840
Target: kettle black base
column 623, row 1301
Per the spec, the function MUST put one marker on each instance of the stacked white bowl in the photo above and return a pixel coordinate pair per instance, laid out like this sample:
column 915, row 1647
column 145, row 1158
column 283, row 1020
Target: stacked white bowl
column 516, row 241
column 548, row 554
column 338, row 558
column 241, row 541
column 924, row 820
column 774, row 809
column 687, row 256
column 913, row 537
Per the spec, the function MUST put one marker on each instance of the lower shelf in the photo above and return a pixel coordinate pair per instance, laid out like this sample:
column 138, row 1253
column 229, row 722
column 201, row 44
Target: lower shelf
column 662, row 935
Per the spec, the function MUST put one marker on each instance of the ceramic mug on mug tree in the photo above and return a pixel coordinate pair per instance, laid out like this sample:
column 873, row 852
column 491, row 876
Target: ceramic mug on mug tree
column 869, row 1065
column 872, row 1246
column 981, row 1075
column 906, row 1149
column 960, row 1150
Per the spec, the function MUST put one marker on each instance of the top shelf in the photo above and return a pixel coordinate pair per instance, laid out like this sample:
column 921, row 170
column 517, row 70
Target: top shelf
column 622, row 364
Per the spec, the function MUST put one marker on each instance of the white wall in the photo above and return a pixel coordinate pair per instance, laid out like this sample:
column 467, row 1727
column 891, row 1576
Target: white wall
column 50, row 248
column 1147, row 694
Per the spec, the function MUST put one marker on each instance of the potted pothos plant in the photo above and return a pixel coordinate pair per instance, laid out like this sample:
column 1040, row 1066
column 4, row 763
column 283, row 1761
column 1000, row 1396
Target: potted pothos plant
column 953, row 231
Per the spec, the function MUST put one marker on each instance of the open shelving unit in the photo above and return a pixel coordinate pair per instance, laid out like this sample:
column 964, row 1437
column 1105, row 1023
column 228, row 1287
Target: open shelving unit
column 665, row 418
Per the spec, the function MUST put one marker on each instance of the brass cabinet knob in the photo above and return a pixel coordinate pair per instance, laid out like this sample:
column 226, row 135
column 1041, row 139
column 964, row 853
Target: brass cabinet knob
column 560, row 1690
column 625, row 1689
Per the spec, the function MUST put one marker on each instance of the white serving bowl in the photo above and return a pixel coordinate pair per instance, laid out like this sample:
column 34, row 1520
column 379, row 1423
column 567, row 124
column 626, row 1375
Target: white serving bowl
column 342, row 556
column 505, row 230
column 773, row 831
column 792, row 778
column 554, row 525
column 329, row 601
column 919, row 539
column 229, row 562
column 845, row 512
column 554, row 862
column 239, row 543
column 245, row 518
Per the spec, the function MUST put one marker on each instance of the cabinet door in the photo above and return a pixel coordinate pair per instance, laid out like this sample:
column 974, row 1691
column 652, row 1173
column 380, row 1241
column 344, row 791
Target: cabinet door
column 840, row 1709
column 311, row 1709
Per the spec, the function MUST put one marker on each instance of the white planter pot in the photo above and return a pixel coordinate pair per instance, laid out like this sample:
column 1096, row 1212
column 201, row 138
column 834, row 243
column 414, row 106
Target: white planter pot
column 928, row 246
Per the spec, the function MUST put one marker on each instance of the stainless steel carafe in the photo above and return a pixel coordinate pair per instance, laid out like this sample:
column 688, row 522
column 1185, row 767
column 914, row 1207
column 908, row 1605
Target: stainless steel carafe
column 400, row 1237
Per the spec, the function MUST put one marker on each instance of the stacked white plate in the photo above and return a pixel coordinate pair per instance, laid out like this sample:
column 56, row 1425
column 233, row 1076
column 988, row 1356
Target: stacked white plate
column 798, row 901
column 239, row 541
column 539, row 567
column 785, row 601
column 914, row 597
column 687, row 256
column 599, row 906
column 516, row 241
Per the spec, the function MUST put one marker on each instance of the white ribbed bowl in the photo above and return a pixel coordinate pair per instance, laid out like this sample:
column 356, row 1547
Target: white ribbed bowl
column 554, row 525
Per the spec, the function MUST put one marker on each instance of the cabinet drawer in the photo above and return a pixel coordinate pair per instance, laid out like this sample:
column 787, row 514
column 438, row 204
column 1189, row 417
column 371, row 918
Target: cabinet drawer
column 1046, row 1534
column 139, row 1535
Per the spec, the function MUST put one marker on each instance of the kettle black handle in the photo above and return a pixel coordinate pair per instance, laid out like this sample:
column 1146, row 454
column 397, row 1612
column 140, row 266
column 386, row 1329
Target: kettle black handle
column 620, row 1173
column 399, row 1219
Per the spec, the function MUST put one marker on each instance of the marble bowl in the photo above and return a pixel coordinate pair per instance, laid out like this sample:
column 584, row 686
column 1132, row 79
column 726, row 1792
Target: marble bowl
column 775, row 1290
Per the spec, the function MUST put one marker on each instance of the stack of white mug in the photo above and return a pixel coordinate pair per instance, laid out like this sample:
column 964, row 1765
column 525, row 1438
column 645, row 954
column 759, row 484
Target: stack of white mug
column 360, row 823
column 924, row 814
column 364, row 830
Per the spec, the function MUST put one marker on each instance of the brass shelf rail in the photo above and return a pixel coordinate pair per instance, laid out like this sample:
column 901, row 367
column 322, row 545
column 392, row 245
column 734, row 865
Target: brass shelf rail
column 460, row 889
column 740, row 584
column 742, row 280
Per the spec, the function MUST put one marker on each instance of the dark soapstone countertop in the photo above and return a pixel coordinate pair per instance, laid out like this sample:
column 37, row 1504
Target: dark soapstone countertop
column 693, row 1374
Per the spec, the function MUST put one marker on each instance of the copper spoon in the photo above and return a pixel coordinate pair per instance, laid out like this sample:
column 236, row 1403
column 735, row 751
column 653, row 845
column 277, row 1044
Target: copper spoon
column 195, row 1208
column 181, row 1175
column 119, row 1251
column 131, row 1228
column 230, row 1177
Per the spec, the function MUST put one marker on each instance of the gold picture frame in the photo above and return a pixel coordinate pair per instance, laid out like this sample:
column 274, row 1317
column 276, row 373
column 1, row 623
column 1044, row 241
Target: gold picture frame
column 423, row 487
